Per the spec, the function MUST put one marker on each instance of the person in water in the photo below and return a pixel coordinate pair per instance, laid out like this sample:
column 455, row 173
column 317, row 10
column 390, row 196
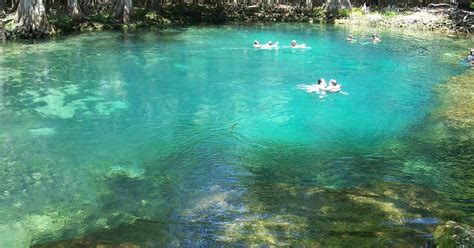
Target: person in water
column 270, row 44
column 349, row 38
column 470, row 57
column 322, row 83
column 256, row 44
column 333, row 86
column 376, row 38
column 293, row 44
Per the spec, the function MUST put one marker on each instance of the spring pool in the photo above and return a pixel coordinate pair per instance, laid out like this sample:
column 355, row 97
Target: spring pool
column 191, row 137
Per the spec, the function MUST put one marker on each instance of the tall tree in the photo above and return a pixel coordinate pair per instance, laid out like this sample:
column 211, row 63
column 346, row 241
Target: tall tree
column 73, row 8
column 31, row 15
column 153, row 4
column 2, row 6
column 124, row 10
column 332, row 5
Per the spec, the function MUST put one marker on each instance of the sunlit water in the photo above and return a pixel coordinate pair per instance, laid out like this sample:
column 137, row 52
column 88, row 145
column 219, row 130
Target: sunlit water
column 189, row 136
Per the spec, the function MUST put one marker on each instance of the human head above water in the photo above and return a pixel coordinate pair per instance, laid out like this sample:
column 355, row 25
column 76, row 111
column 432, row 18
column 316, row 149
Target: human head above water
column 472, row 51
column 270, row 43
column 321, row 81
column 293, row 42
column 333, row 82
column 255, row 42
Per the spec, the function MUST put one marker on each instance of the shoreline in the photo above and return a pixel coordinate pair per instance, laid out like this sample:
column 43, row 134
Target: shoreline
column 436, row 18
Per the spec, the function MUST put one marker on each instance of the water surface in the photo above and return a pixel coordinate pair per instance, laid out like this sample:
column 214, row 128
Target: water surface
column 189, row 136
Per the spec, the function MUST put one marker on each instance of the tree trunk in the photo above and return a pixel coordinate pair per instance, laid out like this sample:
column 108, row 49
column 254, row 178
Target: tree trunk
column 2, row 6
column 73, row 8
column 31, row 16
column 153, row 5
column 124, row 10
column 333, row 5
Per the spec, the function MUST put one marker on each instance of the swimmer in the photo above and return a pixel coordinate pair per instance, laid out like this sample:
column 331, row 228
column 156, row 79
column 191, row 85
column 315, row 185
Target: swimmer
column 349, row 38
column 294, row 45
column 270, row 45
column 333, row 87
column 256, row 44
column 376, row 38
column 319, row 87
column 470, row 57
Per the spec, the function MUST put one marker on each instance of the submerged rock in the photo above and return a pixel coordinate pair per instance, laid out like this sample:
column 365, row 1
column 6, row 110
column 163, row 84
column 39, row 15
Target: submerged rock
column 453, row 234
column 107, row 108
column 25, row 232
column 126, row 172
column 85, row 243
column 46, row 131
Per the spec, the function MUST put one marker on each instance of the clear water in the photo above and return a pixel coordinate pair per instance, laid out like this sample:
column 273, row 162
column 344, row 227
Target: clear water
column 189, row 136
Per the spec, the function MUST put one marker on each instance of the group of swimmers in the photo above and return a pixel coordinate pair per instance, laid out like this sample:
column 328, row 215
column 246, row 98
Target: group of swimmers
column 270, row 45
column 375, row 38
column 322, row 88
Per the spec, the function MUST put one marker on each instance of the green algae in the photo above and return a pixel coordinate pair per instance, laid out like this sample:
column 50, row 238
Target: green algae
column 457, row 99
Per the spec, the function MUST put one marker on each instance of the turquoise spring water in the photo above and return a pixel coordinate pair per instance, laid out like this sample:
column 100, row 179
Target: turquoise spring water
column 189, row 136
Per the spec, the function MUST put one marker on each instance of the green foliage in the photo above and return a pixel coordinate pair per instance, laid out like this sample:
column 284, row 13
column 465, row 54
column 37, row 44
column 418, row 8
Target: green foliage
column 318, row 15
column 64, row 22
column 389, row 14
column 472, row 5
column 10, row 26
column 357, row 11
column 344, row 13
column 101, row 18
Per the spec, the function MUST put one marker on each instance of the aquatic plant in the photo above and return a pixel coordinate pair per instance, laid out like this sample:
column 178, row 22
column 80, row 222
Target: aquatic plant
column 456, row 100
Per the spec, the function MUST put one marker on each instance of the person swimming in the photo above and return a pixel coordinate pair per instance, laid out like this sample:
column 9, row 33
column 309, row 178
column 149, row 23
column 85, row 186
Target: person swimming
column 470, row 57
column 256, row 44
column 350, row 38
column 376, row 38
column 268, row 45
column 319, row 86
column 333, row 87
column 293, row 44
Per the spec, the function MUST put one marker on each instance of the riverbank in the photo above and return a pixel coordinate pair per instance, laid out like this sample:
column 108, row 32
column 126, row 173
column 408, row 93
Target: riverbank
column 61, row 23
column 443, row 18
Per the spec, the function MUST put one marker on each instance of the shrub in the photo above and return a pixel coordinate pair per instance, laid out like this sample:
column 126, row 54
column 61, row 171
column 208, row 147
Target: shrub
column 389, row 13
column 343, row 13
column 318, row 15
column 357, row 11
